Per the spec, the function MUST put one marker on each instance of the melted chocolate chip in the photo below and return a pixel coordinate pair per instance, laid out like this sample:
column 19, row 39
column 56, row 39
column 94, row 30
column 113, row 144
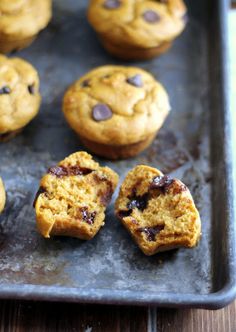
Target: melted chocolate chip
column 161, row 182
column 163, row 1
column 60, row 171
column 135, row 81
column 101, row 112
column 5, row 90
column 112, row 4
column 39, row 192
column 139, row 202
column 124, row 213
column 151, row 232
column 106, row 196
column 87, row 216
column 31, row 89
column 151, row 17
column 85, row 84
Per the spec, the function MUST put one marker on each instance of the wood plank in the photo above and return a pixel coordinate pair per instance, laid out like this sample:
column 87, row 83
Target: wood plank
column 190, row 320
column 39, row 317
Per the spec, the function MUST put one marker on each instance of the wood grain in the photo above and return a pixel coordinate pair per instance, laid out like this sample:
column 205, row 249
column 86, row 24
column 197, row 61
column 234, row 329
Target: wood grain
column 18, row 316
column 61, row 317
column 190, row 320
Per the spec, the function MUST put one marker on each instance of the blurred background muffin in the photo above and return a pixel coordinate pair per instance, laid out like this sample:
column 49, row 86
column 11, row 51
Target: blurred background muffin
column 21, row 21
column 134, row 30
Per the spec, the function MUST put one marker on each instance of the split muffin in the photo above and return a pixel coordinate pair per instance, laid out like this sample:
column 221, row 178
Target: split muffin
column 19, row 95
column 21, row 21
column 158, row 211
column 2, row 195
column 139, row 29
column 73, row 197
column 115, row 110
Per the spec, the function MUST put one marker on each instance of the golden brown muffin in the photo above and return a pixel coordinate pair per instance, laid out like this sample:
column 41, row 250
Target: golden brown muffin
column 2, row 196
column 159, row 212
column 21, row 21
column 116, row 110
column 19, row 95
column 135, row 30
column 73, row 196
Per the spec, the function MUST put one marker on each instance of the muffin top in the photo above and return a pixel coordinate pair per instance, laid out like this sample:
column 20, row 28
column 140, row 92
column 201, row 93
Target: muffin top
column 116, row 105
column 2, row 196
column 19, row 93
column 141, row 23
column 23, row 18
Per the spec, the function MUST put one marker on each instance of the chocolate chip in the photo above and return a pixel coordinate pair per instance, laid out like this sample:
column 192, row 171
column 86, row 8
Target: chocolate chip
column 85, row 84
column 31, row 89
column 139, row 202
column 101, row 112
column 60, row 171
column 151, row 17
column 112, row 4
column 106, row 196
column 124, row 213
column 87, row 216
column 161, row 182
column 5, row 90
column 39, row 192
column 163, row 1
column 135, row 80
column 151, row 232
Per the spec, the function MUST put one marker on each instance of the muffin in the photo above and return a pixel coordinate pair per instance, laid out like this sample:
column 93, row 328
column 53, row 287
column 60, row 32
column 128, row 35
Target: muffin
column 21, row 21
column 136, row 30
column 73, row 197
column 158, row 211
column 2, row 196
column 19, row 95
column 116, row 110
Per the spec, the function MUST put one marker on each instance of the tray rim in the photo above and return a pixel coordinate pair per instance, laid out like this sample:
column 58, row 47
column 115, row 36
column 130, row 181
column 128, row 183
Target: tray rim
column 214, row 300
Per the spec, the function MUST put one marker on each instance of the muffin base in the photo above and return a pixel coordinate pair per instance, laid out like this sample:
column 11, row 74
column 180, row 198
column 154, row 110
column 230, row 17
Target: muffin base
column 115, row 152
column 9, row 135
column 11, row 46
column 134, row 53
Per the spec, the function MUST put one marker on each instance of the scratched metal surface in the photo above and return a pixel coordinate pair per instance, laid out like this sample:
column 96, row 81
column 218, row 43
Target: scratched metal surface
column 110, row 263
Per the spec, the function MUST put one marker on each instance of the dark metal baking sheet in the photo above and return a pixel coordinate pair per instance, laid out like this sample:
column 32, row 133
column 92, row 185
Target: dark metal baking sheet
column 194, row 145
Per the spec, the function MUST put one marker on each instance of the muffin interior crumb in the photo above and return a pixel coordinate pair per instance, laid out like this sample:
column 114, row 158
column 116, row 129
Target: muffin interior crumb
column 157, row 217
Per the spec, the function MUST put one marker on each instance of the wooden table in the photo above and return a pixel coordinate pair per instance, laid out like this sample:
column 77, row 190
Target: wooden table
column 16, row 316
column 40, row 317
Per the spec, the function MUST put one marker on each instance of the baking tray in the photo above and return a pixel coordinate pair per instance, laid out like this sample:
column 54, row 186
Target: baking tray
column 194, row 145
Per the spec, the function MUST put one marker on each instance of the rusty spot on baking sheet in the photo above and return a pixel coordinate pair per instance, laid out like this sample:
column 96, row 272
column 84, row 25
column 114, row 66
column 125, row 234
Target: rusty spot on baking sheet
column 165, row 149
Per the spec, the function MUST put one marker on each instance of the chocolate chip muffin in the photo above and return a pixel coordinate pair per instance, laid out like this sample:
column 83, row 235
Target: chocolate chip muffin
column 73, row 197
column 116, row 110
column 135, row 30
column 21, row 21
column 2, row 195
column 19, row 95
column 158, row 211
